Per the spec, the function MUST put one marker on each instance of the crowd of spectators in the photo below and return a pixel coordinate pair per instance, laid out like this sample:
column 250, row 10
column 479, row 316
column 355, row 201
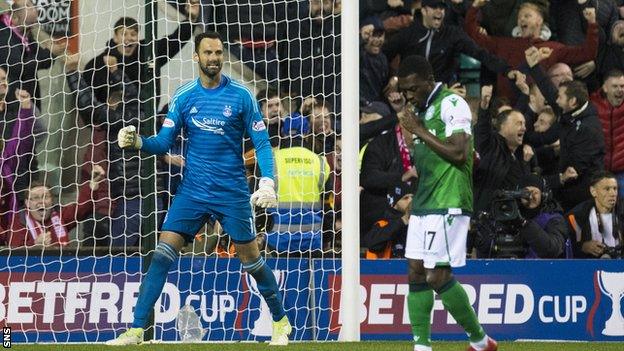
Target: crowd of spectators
column 545, row 126
column 548, row 117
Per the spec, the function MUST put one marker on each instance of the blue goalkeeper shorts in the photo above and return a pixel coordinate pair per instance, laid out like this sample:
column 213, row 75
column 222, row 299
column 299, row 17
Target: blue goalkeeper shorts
column 187, row 216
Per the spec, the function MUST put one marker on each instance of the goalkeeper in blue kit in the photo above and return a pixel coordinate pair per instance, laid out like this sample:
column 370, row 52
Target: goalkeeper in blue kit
column 215, row 112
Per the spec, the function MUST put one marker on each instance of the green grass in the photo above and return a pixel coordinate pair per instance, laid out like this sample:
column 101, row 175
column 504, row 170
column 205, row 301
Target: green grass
column 326, row 346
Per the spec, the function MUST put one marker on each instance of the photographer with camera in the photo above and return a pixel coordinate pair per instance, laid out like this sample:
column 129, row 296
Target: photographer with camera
column 523, row 224
column 597, row 223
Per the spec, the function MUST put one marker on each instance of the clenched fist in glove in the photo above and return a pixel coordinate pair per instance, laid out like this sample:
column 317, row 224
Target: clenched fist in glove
column 128, row 138
column 265, row 195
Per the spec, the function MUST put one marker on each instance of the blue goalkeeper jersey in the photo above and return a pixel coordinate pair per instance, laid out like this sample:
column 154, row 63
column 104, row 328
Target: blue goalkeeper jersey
column 215, row 122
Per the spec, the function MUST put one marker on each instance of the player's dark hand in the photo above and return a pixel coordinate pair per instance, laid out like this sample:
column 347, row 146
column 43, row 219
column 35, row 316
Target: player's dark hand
column 410, row 120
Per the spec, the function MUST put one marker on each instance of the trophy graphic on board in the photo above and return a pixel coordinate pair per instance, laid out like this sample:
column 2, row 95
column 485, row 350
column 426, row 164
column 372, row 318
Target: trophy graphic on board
column 263, row 325
column 612, row 285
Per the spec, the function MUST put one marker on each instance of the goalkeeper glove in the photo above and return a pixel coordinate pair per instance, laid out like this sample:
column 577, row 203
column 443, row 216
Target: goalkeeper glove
column 265, row 195
column 128, row 138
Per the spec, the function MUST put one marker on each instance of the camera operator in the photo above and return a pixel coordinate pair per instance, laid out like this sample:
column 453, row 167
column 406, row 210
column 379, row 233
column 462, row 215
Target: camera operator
column 534, row 226
column 597, row 223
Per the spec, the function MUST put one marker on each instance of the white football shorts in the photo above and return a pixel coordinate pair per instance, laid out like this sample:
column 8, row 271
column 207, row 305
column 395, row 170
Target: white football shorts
column 438, row 240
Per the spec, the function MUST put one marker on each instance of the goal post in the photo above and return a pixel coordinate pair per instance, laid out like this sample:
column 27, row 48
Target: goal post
column 350, row 148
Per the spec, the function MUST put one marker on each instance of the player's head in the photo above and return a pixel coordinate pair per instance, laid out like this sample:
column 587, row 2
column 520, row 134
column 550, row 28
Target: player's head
column 209, row 53
column 416, row 80
column 126, row 35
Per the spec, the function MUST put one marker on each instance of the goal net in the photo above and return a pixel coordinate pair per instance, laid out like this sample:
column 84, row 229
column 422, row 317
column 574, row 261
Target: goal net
column 79, row 216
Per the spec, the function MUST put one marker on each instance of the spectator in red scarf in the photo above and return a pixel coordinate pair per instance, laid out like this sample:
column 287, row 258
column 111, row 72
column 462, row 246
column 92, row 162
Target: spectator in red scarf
column 41, row 223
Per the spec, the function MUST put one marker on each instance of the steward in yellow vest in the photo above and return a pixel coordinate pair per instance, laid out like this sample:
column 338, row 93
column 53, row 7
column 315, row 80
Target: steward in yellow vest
column 301, row 175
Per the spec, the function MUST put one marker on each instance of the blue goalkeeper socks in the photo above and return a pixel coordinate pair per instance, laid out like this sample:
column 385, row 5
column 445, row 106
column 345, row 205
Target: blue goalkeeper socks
column 153, row 282
column 265, row 281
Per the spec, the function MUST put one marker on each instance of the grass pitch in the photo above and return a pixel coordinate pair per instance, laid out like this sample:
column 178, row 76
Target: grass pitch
column 326, row 346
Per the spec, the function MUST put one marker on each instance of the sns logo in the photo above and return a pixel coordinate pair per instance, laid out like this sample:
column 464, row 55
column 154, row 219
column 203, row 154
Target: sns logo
column 227, row 111
column 611, row 284
column 6, row 337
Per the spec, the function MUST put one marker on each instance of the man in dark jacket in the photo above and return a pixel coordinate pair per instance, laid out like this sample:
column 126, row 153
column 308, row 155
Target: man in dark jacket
column 597, row 223
column 129, row 54
column 502, row 163
column 439, row 43
column 386, row 162
column 373, row 62
column 582, row 141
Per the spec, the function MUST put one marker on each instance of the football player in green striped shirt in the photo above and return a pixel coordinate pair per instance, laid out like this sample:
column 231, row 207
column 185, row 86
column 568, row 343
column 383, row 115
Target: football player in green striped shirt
column 438, row 227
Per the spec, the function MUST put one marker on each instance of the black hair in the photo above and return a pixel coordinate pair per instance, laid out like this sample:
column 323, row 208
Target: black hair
column 597, row 176
column 418, row 65
column 206, row 35
column 576, row 89
column 503, row 116
column 267, row 94
column 614, row 73
column 126, row 22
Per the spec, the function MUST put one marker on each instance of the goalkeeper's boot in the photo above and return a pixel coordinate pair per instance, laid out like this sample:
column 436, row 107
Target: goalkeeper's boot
column 281, row 330
column 132, row 336
column 491, row 346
